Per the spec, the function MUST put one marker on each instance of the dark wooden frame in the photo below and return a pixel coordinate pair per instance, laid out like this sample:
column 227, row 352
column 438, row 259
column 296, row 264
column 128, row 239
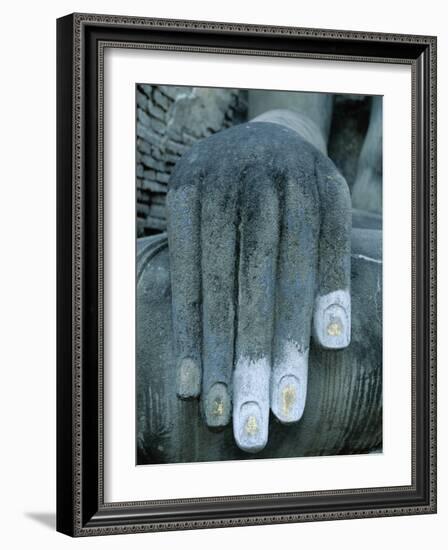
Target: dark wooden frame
column 81, row 39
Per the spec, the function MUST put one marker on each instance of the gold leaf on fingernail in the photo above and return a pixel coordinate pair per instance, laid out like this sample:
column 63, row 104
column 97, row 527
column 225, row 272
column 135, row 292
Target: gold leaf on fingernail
column 218, row 408
column 251, row 425
column 334, row 328
column 288, row 399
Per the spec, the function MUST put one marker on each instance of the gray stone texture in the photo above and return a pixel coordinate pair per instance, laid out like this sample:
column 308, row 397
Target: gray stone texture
column 237, row 192
column 349, row 125
column 191, row 114
column 367, row 193
column 317, row 107
column 262, row 229
column 169, row 120
column 272, row 214
column 344, row 404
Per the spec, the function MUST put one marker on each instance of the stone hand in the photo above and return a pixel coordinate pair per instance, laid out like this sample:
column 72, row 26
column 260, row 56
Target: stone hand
column 259, row 226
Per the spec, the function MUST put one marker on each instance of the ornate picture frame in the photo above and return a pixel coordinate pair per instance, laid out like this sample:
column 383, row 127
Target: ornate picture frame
column 81, row 43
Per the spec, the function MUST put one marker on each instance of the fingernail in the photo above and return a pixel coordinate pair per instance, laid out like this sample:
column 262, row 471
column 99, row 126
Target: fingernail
column 251, row 403
column 332, row 320
column 287, row 404
column 251, row 429
column 289, row 382
column 188, row 379
column 334, row 327
column 217, row 406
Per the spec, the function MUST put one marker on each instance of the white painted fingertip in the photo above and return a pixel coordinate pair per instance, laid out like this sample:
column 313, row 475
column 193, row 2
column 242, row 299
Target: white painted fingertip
column 251, row 404
column 332, row 319
column 188, row 379
column 289, row 383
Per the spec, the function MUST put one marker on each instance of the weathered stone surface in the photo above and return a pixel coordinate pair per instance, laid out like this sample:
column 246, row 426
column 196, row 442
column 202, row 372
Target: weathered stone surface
column 162, row 177
column 332, row 270
column 269, row 183
column 140, row 227
column 317, row 107
column 142, row 99
column 156, row 111
column 188, row 139
column 349, row 122
column 171, row 159
column 149, row 174
column 153, row 222
column 349, row 125
column 368, row 189
column 157, row 153
column 157, row 211
column 146, row 133
column 173, row 92
column 176, row 147
column 142, row 209
column 366, row 220
column 146, row 89
column 158, row 126
column 151, row 162
column 164, row 128
column 154, row 186
column 343, row 412
column 161, row 99
column 143, row 117
column 142, row 196
column 298, row 122
column 158, row 198
column 144, row 146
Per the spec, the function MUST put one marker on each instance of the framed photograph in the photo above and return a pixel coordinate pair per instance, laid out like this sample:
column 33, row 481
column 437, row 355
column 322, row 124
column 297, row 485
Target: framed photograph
column 246, row 274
